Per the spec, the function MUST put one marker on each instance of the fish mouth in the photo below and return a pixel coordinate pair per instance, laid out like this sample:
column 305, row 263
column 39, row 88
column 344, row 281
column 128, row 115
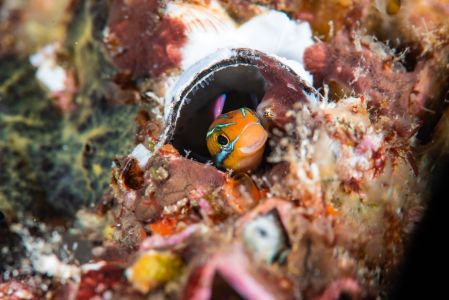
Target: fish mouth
column 253, row 139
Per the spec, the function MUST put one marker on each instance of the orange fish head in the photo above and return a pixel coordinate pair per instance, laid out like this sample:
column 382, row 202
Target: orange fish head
column 236, row 140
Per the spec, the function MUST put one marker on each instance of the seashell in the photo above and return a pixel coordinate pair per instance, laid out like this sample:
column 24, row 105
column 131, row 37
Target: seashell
column 209, row 28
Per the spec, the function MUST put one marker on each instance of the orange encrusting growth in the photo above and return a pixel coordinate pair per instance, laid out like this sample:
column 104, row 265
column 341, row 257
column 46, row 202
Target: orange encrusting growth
column 242, row 192
column 165, row 227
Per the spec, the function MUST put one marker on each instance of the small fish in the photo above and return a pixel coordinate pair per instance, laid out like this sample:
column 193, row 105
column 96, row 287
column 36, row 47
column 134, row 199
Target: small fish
column 236, row 140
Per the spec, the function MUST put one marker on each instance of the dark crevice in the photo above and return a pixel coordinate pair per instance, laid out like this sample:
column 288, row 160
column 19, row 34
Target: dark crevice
column 222, row 290
column 423, row 274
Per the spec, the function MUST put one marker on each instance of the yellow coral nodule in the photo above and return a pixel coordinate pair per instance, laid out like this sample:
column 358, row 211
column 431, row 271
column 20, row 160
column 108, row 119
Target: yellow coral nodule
column 108, row 232
column 154, row 268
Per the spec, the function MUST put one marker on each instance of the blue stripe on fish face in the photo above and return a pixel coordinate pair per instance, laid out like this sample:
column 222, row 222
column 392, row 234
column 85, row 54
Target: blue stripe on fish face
column 218, row 127
column 224, row 116
column 225, row 152
column 221, row 156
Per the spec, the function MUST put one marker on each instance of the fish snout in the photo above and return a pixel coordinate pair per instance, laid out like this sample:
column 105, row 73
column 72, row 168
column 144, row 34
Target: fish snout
column 252, row 140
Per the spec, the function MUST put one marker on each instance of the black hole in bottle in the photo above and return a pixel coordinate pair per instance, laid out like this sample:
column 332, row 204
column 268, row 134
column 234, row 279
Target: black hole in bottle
column 244, row 86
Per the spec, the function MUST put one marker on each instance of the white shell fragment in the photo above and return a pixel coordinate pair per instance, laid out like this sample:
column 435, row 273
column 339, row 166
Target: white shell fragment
column 49, row 73
column 210, row 29
column 141, row 154
column 50, row 265
column 265, row 237
column 273, row 32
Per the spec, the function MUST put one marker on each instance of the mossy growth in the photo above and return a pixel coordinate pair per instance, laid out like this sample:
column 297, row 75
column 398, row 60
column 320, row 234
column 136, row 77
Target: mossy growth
column 53, row 161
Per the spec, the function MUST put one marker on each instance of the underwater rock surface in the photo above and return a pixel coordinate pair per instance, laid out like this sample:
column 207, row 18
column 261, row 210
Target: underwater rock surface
column 108, row 189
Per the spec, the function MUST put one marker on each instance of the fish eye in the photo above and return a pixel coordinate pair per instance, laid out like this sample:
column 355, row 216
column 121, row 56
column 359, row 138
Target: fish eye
column 222, row 140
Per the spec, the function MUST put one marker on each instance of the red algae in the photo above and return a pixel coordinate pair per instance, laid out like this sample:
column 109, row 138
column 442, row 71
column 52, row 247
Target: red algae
column 101, row 279
column 17, row 290
column 140, row 39
column 356, row 64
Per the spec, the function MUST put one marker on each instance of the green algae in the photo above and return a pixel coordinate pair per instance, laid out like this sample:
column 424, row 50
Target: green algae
column 53, row 161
